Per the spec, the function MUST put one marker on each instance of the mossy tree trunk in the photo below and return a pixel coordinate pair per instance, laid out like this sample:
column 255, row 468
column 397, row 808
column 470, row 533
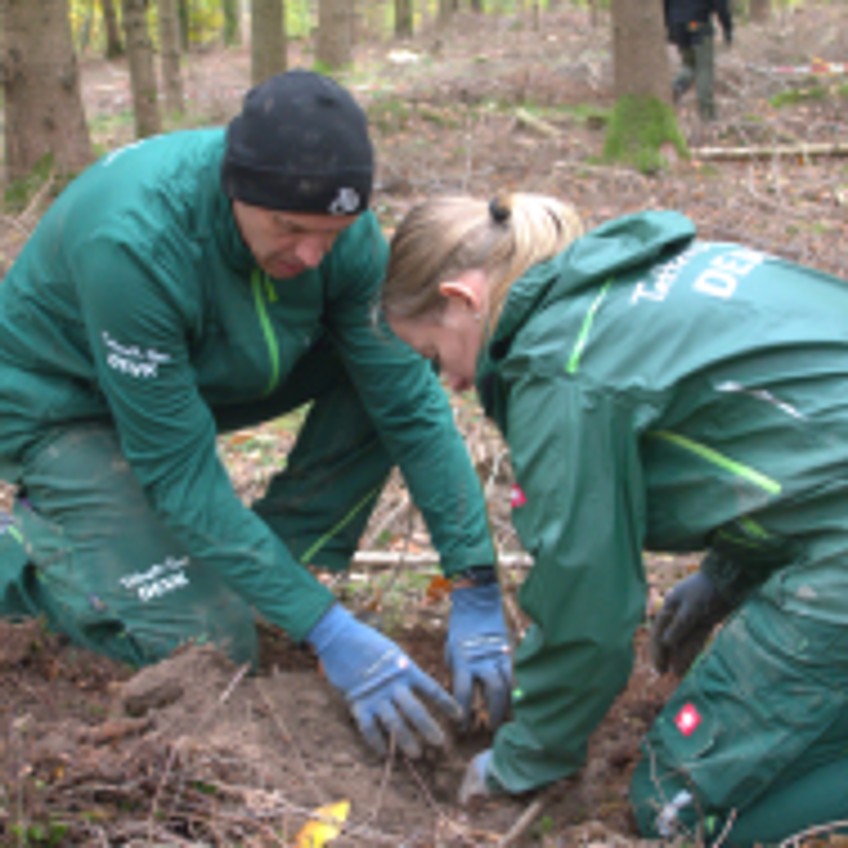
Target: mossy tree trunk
column 643, row 126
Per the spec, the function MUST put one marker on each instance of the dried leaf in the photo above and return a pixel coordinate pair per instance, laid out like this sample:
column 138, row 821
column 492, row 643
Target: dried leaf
column 438, row 589
column 317, row 832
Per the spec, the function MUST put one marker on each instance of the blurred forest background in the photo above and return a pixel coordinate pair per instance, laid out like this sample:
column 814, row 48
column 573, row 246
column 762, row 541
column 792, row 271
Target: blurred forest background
column 462, row 95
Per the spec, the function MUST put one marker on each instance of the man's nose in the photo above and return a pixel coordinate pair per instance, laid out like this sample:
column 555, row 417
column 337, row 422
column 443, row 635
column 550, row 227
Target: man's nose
column 313, row 248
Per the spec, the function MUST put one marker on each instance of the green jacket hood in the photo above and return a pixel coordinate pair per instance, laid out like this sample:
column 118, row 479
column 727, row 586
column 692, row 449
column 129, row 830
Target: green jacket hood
column 614, row 247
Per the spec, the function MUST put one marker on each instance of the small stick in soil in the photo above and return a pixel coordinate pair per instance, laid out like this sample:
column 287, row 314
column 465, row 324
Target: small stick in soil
column 522, row 823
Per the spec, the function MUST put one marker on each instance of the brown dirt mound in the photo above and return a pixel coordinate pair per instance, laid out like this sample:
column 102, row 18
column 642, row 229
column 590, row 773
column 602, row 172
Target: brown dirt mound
column 195, row 751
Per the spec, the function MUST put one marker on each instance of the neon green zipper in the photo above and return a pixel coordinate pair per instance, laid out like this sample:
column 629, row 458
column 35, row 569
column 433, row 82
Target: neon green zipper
column 585, row 328
column 257, row 280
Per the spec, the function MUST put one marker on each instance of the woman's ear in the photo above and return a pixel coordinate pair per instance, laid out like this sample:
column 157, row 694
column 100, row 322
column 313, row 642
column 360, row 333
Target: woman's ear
column 469, row 287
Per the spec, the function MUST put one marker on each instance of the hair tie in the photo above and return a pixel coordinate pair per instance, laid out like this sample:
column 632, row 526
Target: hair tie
column 499, row 211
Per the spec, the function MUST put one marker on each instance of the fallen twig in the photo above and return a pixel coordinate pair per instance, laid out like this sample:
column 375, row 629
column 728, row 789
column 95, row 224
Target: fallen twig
column 527, row 119
column 390, row 559
column 803, row 150
column 530, row 814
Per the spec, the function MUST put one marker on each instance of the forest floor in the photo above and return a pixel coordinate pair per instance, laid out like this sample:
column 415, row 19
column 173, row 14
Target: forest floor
column 195, row 752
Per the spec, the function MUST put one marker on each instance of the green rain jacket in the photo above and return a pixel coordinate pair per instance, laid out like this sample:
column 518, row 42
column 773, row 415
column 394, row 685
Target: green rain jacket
column 656, row 392
column 136, row 300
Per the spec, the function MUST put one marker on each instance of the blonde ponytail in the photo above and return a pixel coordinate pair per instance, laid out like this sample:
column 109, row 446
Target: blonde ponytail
column 442, row 237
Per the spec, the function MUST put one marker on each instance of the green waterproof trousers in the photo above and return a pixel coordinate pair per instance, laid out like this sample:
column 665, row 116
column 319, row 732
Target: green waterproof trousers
column 87, row 551
column 753, row 745
column 698, row 68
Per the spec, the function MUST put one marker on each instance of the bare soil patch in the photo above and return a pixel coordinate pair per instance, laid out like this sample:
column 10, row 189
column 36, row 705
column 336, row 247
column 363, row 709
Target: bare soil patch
column 195, row 751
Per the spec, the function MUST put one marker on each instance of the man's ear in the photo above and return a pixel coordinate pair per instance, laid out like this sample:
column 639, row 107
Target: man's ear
column 469, row 287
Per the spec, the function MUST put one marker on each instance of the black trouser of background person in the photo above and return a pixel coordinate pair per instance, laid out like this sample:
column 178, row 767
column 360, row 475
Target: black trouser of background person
column 697, row 58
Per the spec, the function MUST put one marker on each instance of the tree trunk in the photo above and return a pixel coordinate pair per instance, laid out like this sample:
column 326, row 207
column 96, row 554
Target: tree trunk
column 640, row 57
column 371, row 22
column 334, row 45
column 594, row 13
column 145, row 93
column 268, row 48
column 169, row 41
column 44, row 113
column 445, row 12
column 114, row 45
column 403, row 18
column 232, row 22
column 185, row 24
column 85, row 28
column 760, row 10
column 643, row 122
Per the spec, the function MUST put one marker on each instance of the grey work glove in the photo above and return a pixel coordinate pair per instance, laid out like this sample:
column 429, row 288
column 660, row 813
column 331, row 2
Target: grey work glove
column 476, row 783
column 690, row 612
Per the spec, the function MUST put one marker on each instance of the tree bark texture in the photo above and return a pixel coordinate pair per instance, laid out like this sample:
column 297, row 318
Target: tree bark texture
column 185, row 21
column 403, row 18
column 268, row 48
column 640, row 55
column 232, row 22
column 334, row 44
column 114, row 44
column 446, row 10
column 169, row 51
column 145, row 92
column 44, row 113
column 760, row 10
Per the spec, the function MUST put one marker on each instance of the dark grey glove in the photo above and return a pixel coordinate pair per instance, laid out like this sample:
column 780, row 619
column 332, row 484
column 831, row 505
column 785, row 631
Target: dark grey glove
column 690, row 612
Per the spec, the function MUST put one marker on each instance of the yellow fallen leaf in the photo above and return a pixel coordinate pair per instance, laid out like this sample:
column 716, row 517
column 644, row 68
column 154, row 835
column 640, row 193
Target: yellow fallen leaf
column 317, row 832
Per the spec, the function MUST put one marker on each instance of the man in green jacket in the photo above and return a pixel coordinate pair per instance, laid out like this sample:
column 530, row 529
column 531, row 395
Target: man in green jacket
column 195, row 283
column 657, row 392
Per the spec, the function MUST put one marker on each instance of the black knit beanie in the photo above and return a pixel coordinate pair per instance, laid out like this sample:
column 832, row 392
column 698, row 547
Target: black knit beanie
column 300, row 144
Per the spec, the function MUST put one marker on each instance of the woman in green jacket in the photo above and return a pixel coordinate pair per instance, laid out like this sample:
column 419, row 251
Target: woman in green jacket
column 656, row 392
column 195, row 283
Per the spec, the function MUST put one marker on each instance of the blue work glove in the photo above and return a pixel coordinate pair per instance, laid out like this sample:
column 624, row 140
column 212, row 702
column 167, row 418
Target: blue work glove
column 478, row 781
column 379, row 682
column 690, row 612
column 478, row 652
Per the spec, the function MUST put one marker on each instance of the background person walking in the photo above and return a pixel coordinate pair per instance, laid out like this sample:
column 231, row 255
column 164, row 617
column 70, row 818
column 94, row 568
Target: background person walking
column 690, row 28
